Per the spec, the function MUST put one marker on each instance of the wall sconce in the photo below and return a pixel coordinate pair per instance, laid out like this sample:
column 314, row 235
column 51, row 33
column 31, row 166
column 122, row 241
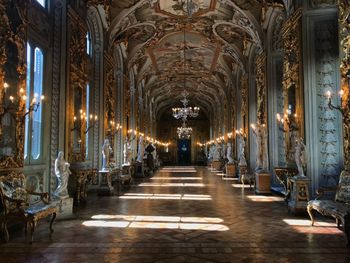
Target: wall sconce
column 16, row 103
column 78, row 124
column 241, row 133
column 288, row 122
column 114, row 129
column 92, row 121
column 338, row 107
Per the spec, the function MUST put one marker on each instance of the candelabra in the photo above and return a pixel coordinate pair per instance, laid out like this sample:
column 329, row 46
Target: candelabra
column 16, row 105
column 114, row 129
column 78, row 124
column 338, row 107
column 288, row 122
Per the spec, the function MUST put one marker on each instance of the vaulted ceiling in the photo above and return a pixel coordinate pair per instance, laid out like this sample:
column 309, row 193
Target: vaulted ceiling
column 168, row 50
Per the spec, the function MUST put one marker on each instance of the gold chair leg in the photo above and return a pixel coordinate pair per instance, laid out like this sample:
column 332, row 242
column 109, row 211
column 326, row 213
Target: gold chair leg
column 309, row 210
column 51, row 222
column 6, row 232
column 32, row 228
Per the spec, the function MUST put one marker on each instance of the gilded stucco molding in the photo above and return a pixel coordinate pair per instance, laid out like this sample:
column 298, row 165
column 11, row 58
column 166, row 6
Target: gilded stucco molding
column 261, row 88
column 292, row 79
column 78, row 77
column 13, row 41
column 344, row 38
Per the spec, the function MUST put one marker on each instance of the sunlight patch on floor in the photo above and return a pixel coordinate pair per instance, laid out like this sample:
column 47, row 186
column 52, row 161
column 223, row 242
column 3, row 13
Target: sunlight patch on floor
column 157, row 222
column 171, row 184
column 229, row 179
column 242, row 186
column 176, row 178
column 165, row 196
column 304, row 226
column 305, row 222
column 262, row 198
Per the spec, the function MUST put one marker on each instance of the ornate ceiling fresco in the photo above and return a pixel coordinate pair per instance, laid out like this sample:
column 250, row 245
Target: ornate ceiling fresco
column 218, row 39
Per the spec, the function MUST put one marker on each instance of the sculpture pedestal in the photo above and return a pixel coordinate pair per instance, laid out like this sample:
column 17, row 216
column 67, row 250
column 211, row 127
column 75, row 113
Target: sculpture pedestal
column 216, row 165
column 105, row 187
column 64, row 208
column 299, row 194
column 262, row 183
column 230, row 170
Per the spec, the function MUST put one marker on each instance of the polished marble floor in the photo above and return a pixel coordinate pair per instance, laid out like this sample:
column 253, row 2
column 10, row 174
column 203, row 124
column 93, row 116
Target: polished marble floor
column 182, row 214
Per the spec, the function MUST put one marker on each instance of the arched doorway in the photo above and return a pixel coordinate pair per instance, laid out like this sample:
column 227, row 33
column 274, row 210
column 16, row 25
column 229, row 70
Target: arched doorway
column 184, row 151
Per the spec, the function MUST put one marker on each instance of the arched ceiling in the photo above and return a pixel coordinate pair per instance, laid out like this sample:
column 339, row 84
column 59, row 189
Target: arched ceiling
column 168, row 50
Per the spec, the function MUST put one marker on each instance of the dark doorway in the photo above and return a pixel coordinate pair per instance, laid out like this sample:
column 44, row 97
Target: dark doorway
column 184, row 151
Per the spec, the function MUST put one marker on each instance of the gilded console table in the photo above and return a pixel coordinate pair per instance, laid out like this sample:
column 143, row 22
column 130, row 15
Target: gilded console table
column 283, row 174
column 299, row 194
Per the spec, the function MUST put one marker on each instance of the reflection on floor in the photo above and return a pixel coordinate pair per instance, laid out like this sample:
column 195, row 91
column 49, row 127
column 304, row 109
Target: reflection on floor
column 175, row 219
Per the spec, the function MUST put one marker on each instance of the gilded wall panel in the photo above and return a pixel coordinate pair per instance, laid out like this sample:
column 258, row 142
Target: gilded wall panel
column 292, row 82
column 344, row 38
column 77, row 80
column 13, row 29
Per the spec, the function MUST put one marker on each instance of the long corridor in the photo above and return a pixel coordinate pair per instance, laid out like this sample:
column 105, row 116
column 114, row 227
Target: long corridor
column 183, row 214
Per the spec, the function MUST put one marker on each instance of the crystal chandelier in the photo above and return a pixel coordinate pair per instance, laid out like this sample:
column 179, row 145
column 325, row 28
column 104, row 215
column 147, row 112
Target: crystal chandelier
column 185, row 111
column 184, row 132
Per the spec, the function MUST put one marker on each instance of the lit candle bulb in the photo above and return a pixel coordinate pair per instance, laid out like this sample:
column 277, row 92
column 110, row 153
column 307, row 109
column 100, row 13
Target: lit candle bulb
column 96, row 117
column 21, row 90
column 91, row 116
column 278, row 116
column 42, row 97
column 24, row 97
column 329, row 94
column 12, row 99
column 74, row 118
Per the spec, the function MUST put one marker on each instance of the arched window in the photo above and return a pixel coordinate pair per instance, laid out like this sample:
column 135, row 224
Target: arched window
column 88, row 44
column 34, row 91
column 88, row 119
column 42, row 2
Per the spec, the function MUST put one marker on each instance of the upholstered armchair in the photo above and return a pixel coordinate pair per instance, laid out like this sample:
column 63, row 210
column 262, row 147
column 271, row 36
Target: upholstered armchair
column 339, row 208
column 21, row 205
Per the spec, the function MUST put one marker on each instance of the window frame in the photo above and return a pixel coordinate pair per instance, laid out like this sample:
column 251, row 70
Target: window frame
column 29, row 159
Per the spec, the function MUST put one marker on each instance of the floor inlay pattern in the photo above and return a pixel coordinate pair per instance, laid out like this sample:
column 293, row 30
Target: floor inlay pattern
column 189, row 215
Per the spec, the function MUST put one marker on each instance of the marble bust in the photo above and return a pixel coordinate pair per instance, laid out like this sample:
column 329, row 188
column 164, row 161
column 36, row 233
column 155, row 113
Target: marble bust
column 62, row 173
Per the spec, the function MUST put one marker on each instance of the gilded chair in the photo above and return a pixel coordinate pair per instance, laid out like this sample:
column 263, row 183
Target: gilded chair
column 339, row 208
column 21, row 205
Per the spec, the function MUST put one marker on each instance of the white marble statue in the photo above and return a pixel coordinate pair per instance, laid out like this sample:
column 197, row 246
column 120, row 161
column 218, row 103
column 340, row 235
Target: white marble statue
column 140, row 150
column 127, row 151
column 229, row 153
column 62, row 173
column 300, row 155
column 223, row 150
column 216, row 152
column 106, row 151
column 261, row 147
column 211, row 152
column 242, row 160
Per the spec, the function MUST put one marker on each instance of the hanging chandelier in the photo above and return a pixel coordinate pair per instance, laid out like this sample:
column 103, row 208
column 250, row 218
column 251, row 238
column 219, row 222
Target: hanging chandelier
column 184, row 132
column 185, row 111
